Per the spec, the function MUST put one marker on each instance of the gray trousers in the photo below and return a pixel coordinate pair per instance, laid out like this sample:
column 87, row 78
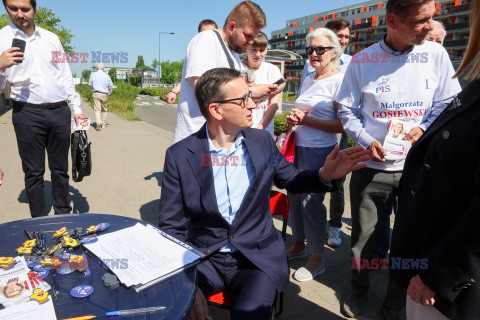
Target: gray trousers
column 337, row 198
column 369, row 191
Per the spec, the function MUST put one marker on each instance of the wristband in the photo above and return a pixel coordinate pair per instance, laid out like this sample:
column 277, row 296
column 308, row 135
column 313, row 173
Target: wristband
column 174, row 92
column 321, row 178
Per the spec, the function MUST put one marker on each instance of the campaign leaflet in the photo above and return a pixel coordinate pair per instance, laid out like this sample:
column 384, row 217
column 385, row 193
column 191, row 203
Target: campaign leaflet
column 395, row 143
column 18, row 283
column 83, row 124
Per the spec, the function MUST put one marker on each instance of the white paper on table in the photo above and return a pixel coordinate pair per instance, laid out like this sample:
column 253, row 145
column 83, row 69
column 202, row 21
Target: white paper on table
column 29, row 311
column 145, row 254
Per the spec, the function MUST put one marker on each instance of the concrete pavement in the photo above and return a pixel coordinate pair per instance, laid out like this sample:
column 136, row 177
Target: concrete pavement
column 126, row 179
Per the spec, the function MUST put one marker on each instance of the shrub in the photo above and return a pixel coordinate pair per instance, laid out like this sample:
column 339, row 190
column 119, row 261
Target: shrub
column 279, row 121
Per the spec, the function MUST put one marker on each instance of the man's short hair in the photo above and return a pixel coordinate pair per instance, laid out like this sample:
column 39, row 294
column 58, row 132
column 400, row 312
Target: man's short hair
column 247, row 13
column 210, row 87
column 441, row 25
column 33, row 3
column 338, row 24
column 99, row 66
column 401, row 7
column 206, row 22
column 260, row 41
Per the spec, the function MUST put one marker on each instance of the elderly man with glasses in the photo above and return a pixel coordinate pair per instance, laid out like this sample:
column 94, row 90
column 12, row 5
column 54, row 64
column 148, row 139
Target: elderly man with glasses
column 215, row 192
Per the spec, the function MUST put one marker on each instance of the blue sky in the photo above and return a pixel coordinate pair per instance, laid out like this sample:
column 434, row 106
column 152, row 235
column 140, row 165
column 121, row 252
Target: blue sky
column 132, row 26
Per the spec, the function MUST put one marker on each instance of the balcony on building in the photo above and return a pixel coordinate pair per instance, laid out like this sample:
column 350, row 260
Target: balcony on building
column 460, row 43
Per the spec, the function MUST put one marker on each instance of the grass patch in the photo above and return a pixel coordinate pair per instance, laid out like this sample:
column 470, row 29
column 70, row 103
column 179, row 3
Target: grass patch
column 120, row 102
column 158, row 92
column 288, row 96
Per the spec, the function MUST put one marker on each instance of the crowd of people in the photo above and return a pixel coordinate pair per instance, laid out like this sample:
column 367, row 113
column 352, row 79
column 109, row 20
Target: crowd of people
column 219, row 171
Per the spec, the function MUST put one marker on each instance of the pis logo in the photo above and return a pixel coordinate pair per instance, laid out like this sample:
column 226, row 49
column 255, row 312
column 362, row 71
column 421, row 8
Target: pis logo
column 383, row 86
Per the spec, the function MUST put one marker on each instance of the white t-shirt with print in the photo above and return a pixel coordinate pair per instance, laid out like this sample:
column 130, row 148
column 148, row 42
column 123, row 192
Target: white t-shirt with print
column 318, row 101
column 204, row 52
column 267, row 74
column 380, row 86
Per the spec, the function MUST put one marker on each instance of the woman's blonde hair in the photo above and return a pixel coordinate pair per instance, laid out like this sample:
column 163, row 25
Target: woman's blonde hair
column 473, row 45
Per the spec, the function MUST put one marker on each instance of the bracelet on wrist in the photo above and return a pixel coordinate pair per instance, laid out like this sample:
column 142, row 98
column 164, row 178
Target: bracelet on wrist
column 321, row 177
column 174, row 92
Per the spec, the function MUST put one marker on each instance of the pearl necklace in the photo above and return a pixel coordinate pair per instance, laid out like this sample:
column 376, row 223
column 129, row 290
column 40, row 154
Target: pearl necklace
column 323, row 75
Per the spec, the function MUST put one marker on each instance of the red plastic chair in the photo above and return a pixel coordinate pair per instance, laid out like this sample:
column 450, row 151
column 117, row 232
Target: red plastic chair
column 279, row 206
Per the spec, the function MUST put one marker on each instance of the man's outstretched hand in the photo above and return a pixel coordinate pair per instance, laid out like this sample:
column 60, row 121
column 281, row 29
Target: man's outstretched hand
column 340, row 163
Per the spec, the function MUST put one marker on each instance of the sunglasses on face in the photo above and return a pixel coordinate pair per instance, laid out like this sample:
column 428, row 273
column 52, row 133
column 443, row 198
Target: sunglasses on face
column 319, row 50
column 244, row 100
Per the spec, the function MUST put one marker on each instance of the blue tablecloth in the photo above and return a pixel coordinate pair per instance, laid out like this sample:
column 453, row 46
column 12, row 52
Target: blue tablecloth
column 176, row 293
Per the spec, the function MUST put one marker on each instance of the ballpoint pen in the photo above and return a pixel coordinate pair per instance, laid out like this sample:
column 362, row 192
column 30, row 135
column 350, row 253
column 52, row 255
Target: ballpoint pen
column 134, row 311
column 81, row 318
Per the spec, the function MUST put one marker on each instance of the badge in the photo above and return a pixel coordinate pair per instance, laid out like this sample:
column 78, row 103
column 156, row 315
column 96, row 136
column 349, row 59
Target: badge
column 41, row 268
column 89, row 240
column 65, row 256
column 42, row 274
column 82, row 291
column 65, row 271
column 103, row 226
column 30, row 263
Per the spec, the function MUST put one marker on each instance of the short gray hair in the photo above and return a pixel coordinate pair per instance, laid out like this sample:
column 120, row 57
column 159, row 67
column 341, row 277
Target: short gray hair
column 99, row 66
column 440, row 24
column 330, row 35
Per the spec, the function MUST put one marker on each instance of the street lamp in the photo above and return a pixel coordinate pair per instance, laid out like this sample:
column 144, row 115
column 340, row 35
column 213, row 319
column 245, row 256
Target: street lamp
column 159, row 65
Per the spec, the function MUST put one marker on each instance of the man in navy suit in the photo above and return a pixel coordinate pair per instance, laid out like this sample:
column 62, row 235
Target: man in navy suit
column 215, row 193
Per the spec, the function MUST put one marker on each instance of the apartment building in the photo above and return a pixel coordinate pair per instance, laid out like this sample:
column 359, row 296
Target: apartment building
column 368, row 21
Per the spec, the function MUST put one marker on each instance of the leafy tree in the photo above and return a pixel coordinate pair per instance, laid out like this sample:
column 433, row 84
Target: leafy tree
column 46, row 19
column 154, row 63
column 86, row 74
column 135, row 80
column 112, row 73
column 171, row 71
column 4, row 20
column 140, row 62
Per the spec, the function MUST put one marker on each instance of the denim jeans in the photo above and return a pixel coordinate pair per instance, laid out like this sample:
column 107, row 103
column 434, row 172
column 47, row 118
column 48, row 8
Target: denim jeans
column 307, row 212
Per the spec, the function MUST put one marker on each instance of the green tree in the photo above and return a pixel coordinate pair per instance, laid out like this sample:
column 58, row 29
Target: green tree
column 86, row 74
column 46, row 19
column 4, row 20
column 112, row 73
column 171, row 71
column 140, row 62
column 154, row 63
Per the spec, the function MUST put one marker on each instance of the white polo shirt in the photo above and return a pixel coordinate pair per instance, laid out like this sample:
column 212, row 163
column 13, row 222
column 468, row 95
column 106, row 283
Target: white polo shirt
column 382, row 85
column 204, row 52
column 267, row 74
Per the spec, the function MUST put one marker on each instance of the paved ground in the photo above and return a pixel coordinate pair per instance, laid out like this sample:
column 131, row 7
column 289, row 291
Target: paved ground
column 126, row 179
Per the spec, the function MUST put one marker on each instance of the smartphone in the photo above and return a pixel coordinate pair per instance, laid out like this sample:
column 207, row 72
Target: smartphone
column 19, row 43
column 280, row 81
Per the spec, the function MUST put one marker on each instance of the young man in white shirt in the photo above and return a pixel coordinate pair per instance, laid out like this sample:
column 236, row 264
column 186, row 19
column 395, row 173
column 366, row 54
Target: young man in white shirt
column 206, row 51
column 42, row 92
column 403, row 77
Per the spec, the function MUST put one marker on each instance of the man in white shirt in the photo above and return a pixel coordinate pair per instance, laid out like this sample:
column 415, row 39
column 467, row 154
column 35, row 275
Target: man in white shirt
column 42, row 92
column 401, row 78
column 101, row 84
column 213, row 49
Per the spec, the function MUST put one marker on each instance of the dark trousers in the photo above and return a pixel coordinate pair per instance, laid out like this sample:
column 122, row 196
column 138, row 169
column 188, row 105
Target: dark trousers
column 38, row 130
column 251, row 289
column 337, row 198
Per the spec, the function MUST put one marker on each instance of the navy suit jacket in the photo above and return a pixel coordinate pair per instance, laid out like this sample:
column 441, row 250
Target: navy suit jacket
column 188, row 204
column 438, row 218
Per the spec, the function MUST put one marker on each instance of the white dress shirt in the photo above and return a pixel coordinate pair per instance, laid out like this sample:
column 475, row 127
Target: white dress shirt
column 37, row 79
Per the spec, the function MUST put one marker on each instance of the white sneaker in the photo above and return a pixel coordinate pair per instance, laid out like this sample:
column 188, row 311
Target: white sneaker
column 334, row 239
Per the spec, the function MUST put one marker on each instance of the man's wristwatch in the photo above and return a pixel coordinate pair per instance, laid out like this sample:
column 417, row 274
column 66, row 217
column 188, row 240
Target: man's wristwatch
column 321, row 178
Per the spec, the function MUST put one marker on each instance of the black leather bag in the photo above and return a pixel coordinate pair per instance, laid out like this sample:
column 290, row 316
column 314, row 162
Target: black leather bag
column 81, row 156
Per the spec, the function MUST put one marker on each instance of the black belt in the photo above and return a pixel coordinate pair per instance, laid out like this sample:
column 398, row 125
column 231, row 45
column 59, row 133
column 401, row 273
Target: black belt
column 49, row 106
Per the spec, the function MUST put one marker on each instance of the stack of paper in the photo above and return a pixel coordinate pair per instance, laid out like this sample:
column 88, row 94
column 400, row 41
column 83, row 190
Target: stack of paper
column 140, row 256
column 16, row 288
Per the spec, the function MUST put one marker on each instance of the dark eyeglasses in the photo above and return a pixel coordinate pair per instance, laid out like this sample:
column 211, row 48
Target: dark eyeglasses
column 319, row 50
column 244, row 99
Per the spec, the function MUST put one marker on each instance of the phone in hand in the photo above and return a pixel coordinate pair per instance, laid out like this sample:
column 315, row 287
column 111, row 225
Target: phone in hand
column 280, row 81
column 19, row 43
